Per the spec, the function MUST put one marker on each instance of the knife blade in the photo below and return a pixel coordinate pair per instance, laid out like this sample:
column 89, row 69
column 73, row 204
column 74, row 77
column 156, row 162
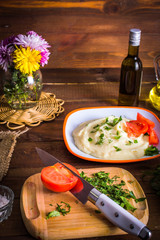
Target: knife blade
column 113, row 212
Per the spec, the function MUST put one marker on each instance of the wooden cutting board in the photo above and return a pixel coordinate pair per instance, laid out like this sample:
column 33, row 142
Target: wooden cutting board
column 82, row 221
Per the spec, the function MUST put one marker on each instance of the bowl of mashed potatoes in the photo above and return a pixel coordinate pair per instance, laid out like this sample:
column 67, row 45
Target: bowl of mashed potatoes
column 99, row 134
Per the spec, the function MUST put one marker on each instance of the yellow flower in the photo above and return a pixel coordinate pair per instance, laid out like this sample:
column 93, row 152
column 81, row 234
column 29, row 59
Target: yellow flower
column 26, row 60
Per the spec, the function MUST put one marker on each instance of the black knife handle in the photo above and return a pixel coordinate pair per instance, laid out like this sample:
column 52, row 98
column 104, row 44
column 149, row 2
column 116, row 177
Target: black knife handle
column 145, row 234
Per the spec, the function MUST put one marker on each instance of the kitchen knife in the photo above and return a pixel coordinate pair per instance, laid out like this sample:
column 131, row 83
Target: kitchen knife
column 113, row 212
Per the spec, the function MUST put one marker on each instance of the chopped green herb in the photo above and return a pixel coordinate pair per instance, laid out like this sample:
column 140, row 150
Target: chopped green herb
column 101, row 139
column 117, row 148
column 96, row 128
column 117, row 137
column 64, row 208
column 112, row 188
column 50, row 204
column 139, row 200
column 97, row 211
column 53, row 214
column 110, row 140
column 129, row 142
column 90, row 139
column 127, row 205
column 114, row 122
column 135, row 141
column 151, row 151
column 107, row 128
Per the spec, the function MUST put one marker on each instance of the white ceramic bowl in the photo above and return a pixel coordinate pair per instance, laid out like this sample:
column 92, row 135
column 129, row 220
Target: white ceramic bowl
column 78, row 116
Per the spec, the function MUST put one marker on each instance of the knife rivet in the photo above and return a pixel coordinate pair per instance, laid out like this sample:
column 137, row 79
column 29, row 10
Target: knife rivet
column 131, row 226
column 102, row 203
column 116, row 214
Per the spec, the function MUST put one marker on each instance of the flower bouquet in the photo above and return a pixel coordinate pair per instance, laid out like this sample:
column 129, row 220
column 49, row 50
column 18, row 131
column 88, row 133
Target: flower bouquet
column 21, row 57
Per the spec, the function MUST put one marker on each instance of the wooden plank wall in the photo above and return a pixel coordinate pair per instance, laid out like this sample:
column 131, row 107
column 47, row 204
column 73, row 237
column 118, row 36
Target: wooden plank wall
column 83, row 33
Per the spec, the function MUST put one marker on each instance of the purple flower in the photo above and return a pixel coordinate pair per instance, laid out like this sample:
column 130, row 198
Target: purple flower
column 5, row 56
column 31, row 39
column 32, row 33
column 45, row 57
column 6, row 50
column 34, row 41
column 9, row 41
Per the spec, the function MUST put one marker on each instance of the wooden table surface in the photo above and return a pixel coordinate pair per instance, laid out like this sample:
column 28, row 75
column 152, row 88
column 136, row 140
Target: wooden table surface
column 78, row 88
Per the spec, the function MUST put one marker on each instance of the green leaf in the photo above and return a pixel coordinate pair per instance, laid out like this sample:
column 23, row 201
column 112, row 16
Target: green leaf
column 64, row 208
column 129, row 142
column 52, row 214
column 127, row 205
column 117, row 148
column 115, row 121
column 139, row 200
column 90, row 139
column 117, row 137
column 151, row 150
column 113, row 188
column 96, row 128
column 101, row 137
column 107, row 128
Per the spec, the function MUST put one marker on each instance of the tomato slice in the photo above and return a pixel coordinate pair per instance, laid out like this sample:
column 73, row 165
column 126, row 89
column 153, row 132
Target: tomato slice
column 136, row 128
column 140, row 118
column 130, row 132
column 142, row 125
column 153, row 138
column 57, row 178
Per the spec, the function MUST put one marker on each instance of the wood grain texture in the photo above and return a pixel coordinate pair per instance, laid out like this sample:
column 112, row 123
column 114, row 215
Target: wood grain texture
column 82, row 221
column 85, row 34
column 48, row 136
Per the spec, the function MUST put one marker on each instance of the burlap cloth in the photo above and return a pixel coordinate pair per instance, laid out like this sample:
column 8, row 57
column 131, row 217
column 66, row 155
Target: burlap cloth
column 8, row 141
column 46, row 109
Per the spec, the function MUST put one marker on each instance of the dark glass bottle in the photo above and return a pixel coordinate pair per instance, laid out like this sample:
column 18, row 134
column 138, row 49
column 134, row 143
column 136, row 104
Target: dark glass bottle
column 131, row 72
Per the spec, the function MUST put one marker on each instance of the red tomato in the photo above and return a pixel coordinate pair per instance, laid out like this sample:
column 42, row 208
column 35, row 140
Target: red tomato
column 140, row 118
column 130, row 132
column 58, row 178
column 153, row 139
column 141, row 126
column 137, row 128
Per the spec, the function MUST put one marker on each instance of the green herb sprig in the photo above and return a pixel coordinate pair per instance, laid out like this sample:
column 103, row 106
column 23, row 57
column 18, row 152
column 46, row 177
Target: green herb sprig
column 101, row 139
column 63, row 209
column 151, row 151
column 53, row 214
column 115, row 121
column 117, row 148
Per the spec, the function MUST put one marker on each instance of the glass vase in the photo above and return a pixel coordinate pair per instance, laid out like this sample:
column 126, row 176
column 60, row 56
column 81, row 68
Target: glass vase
column 21, row 90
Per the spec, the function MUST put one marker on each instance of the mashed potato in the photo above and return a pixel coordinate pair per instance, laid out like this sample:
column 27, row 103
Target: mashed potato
column 106, row 138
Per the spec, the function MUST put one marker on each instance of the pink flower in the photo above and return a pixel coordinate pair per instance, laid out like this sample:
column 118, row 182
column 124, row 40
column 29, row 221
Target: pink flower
column 45, row 57
column 32, row 40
